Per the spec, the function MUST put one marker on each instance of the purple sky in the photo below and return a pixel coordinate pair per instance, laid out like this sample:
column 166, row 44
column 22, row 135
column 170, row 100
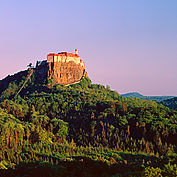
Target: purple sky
column 130, row 45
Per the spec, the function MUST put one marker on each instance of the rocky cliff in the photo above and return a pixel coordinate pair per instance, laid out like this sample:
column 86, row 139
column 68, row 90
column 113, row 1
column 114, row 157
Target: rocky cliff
column 63, row 68
column 65, row 72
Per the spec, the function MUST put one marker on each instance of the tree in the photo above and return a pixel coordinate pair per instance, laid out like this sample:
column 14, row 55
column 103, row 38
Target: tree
column 61, row 127
column 30, row 65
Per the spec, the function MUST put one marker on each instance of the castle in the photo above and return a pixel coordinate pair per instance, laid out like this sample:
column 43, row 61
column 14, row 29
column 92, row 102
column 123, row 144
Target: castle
column 63, row 68
column 65, row 57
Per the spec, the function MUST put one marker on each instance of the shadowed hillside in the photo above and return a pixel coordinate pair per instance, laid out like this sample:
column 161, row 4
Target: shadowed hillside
column 171, row 103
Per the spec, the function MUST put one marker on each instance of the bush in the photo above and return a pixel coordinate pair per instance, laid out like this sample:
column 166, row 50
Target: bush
column 153, row 172
column 170, row 170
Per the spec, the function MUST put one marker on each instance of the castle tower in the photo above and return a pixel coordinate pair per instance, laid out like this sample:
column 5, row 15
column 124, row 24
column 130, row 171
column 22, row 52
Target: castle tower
column 76, row 52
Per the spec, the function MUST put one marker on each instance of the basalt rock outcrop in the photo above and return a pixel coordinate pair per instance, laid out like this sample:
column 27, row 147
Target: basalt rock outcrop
column 62, row 68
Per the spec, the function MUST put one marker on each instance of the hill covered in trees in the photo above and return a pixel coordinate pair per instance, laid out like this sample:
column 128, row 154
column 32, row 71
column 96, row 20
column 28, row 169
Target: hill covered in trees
column 82, row 129
column 154, row 98
column 171, row 103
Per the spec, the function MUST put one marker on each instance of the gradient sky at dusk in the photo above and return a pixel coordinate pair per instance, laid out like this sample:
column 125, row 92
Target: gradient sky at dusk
column 130, row 45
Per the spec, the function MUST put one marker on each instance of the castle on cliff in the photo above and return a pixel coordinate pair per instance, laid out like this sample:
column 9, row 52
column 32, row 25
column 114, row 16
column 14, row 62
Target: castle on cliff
column 65, row 57
column 63, row 68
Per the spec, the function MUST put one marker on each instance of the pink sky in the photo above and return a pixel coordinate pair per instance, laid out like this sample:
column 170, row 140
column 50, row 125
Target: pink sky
column 129, row 45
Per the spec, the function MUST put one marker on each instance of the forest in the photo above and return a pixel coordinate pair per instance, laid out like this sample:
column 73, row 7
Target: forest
column 83, row 130
column 158, row 99
column 171, row 103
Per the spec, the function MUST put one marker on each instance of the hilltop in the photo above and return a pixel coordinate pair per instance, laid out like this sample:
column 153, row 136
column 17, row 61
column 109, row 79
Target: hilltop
column 62, row 68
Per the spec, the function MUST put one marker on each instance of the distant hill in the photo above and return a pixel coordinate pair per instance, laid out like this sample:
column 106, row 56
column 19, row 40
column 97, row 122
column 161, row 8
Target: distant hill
column 133, row 94
column 171, row 103
column 154, row 98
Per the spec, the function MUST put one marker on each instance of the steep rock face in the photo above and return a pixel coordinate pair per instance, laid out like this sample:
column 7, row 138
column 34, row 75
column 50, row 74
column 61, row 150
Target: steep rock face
column 62, row 68
column 65, row 72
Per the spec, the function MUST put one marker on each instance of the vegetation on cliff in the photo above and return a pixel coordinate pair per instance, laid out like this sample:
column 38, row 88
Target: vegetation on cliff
column 57, row 130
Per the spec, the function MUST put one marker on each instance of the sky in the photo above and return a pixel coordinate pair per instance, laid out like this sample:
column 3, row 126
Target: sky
column 130, row 45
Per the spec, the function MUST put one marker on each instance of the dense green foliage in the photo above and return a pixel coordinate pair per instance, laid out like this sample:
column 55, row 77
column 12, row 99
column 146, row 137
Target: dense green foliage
column 171, row 103
column 87, row 125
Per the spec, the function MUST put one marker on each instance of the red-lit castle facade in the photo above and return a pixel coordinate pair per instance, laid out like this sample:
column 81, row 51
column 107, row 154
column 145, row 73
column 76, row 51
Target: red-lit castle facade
column 65, row 57
column 64, row 68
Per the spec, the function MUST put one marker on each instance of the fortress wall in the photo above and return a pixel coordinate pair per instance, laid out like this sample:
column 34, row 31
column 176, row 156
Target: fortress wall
column 62, row 58
column 49, row 58
column 65, row 58
column 74, row 59
column 58, row 58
